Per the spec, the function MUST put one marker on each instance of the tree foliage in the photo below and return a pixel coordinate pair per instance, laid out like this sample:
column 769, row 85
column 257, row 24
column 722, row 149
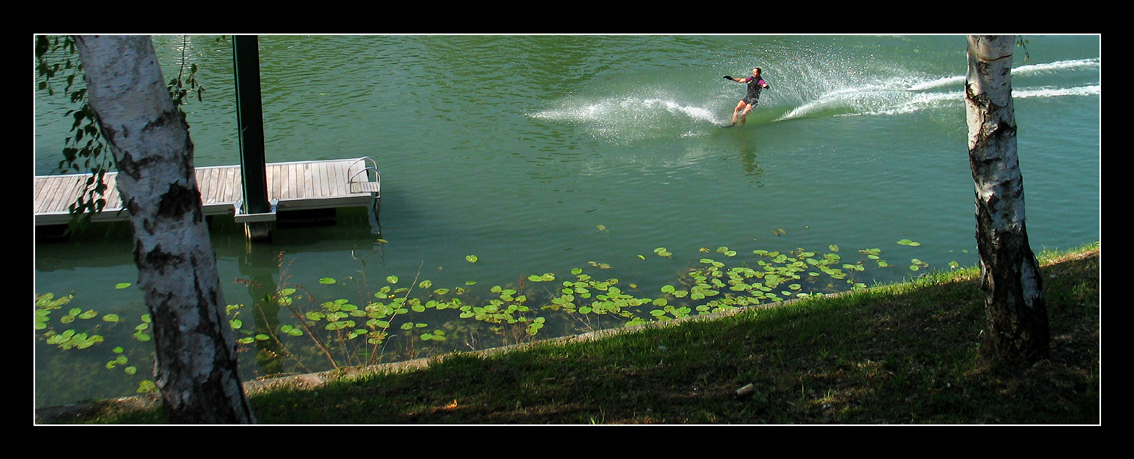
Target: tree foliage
column 84, row 150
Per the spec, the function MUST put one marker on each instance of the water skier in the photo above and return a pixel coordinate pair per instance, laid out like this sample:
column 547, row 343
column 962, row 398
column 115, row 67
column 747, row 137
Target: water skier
column 751, row 98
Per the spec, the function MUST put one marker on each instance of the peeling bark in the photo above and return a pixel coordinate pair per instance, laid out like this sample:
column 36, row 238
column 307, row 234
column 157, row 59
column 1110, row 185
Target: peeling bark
column 1018, row 329
column 196, row 368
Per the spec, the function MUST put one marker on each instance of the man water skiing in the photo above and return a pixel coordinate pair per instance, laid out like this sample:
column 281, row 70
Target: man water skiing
column 755, row 84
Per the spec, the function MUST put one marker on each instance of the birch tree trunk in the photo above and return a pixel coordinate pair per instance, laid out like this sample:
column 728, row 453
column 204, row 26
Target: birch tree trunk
column 1014, row 301
column 196, row 367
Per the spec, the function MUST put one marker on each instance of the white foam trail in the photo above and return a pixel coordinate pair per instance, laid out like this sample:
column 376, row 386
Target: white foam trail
column 1058, row 66
column 612, row 110
column 953, row 81
column 1092, row 90
column 959, row 80
column 885, row 99
column 628, row 118
column 697, row 113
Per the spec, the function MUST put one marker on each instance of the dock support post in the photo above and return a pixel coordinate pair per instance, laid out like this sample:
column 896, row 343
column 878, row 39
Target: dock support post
column 250, row 122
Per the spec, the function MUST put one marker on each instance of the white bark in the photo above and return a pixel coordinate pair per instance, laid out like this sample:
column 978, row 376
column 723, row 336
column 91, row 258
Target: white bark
column 196, row 368
column 1017, row 315
column 990, row 67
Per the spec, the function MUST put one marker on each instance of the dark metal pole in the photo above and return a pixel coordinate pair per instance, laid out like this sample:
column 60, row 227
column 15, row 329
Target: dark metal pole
column 250, row 122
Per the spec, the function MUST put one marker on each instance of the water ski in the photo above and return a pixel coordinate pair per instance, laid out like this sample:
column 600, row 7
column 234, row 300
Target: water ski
column 728, row 125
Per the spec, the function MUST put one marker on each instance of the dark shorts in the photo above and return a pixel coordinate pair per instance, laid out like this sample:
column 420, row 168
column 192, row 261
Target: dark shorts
column 751, row 100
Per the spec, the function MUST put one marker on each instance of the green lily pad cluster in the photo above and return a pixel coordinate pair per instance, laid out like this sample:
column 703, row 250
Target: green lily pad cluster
column 588, row 295
column 720, row 281
column 425, row 318
column 82, row 331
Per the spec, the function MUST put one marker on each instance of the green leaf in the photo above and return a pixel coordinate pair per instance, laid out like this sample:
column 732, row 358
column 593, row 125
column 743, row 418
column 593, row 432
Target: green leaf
column 546, row 277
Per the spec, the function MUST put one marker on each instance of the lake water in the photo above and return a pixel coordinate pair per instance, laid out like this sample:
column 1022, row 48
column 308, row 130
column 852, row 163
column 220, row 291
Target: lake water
column 541, row 154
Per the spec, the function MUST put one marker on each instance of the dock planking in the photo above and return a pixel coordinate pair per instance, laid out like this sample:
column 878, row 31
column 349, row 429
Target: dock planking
column 295, row 185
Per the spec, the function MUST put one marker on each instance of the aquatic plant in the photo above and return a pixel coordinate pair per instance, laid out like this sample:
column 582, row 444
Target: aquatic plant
column 83, row 329
column 398, row 321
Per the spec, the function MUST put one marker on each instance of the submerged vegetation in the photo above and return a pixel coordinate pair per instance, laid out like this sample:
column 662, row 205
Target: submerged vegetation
column 290, row 330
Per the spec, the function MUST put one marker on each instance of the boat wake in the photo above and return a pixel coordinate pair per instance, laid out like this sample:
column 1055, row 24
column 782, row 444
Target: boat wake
column 633, row 117
column 903, row 94
column 627, row 118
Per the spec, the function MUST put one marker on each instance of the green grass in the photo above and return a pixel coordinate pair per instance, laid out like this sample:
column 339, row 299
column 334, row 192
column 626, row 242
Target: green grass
column 900, row 354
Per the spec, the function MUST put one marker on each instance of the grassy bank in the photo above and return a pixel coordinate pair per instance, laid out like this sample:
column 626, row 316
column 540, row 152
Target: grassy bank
column 900, row 354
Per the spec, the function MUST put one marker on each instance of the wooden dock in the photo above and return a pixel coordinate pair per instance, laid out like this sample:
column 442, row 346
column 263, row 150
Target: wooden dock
column 299, row 185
